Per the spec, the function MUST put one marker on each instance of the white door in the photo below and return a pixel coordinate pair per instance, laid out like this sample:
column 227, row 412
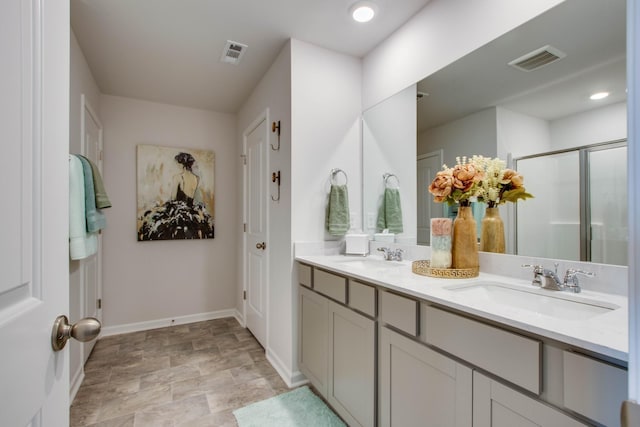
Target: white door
column 34, row 141
column 428, row 165
column 92, row 266
column 256, row 190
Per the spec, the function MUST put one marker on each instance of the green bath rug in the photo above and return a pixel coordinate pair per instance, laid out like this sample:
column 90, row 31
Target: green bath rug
column 296, row 408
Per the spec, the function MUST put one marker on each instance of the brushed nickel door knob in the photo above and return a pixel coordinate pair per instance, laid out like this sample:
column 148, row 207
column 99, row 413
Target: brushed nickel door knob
column 83, row 330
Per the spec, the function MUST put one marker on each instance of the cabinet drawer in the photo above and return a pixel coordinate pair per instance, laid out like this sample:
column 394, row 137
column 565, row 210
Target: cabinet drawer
column 513, row 357
column 304, row 275
column 330, row 285
column 362, row 298
column 399, row 312
column 593, row 388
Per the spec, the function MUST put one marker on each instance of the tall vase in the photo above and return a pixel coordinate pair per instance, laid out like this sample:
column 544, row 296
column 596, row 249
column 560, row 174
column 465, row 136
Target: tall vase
column 492, row 235
column 464, row 250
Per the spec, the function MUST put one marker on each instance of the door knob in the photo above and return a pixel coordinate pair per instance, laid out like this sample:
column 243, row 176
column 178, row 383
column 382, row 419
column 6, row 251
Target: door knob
column 262, row 246
column 83, row 330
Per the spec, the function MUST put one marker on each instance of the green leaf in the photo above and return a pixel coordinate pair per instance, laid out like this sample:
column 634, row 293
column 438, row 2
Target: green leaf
column 514, row 195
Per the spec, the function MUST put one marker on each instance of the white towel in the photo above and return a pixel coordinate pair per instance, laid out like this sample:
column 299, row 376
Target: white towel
column 81, row 244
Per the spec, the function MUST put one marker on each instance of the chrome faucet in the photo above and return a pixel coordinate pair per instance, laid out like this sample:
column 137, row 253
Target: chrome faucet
column 547, row 279
column 391, row 254
column 571, row 279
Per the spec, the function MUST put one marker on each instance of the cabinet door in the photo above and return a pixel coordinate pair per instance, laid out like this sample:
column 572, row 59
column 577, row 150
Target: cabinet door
column 351, row 365
column 496, row 405
column 420, row 387
column 313, row 339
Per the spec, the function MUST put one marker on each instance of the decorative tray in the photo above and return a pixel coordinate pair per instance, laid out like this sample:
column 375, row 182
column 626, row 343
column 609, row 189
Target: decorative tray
column 423, row 268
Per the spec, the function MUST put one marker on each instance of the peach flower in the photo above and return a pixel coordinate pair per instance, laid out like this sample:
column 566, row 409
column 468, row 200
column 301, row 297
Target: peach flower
column 442, row 185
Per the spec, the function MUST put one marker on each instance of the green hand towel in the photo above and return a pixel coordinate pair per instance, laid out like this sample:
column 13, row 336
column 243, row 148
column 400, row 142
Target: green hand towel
column 390, row 211
column 337, row 218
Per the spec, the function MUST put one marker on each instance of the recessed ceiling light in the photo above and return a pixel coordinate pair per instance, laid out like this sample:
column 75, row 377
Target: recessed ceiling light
column 599, row 95
column 363, row 11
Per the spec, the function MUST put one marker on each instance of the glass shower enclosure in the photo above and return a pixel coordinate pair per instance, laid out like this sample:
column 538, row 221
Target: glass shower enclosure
column 580, row 207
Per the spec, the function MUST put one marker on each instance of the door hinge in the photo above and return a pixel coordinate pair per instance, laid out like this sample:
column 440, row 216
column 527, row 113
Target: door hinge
column 244, row 295
column 244, row 159
column 100, row 154
column 244, row 226
column 99, row 303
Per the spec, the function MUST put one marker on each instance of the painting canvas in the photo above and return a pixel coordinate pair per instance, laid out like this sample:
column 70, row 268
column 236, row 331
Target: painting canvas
column 175, row 193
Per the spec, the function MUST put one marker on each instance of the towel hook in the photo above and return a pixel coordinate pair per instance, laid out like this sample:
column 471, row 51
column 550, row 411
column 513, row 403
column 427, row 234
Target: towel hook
column 275, row 177
column 336, row 171
column 386, row 176
column 275, row 126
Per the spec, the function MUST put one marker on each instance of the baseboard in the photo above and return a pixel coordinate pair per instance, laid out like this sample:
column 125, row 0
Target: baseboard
column 75, row 383
column 238, row 315
column 291, row 379
column 171, row 321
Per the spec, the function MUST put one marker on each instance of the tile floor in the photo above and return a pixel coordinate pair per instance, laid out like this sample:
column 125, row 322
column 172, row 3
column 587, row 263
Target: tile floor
column 187, row 375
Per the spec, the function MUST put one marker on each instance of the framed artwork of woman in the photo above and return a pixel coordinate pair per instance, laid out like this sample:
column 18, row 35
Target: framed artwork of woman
column 175, row 192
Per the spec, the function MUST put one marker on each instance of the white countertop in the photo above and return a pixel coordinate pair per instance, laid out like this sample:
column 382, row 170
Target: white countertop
column 605, row 334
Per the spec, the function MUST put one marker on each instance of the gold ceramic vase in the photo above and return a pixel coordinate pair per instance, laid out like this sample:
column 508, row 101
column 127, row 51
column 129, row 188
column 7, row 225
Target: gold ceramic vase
column 464, row 248
column 492, row 234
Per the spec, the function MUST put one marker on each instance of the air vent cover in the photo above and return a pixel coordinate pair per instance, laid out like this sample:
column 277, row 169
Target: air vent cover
column 232, row 52
column 538, row 58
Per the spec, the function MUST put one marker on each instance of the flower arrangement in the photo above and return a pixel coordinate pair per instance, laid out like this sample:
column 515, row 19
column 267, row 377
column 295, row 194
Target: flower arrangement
column 483, row 178
column 500, row 184
column 458, row 184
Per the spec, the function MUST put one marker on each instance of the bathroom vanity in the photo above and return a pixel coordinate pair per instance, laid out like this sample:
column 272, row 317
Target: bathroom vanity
column 387, row 347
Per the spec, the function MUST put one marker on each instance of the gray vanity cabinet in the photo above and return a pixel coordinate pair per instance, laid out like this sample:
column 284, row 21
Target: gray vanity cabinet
column 352, row 372
column 313, row 338
column 419, row 385
column 496, row 405
column 337, row 349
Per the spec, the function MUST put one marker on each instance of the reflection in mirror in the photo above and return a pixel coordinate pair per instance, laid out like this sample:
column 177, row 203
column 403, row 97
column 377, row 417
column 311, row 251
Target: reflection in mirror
column 482, row 105
column 581, row 210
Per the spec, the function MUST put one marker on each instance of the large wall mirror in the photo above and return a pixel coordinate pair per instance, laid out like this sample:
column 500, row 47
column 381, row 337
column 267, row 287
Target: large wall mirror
column 533, row 118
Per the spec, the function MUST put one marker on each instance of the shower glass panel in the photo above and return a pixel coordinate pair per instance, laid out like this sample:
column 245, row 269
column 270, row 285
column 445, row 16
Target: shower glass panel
column 549, row 223
column 608, row 205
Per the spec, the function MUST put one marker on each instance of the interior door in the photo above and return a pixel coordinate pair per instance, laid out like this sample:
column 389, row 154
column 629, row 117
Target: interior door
column 428, row 165
column 256, row 272
column 34, row 135
column 92, row 266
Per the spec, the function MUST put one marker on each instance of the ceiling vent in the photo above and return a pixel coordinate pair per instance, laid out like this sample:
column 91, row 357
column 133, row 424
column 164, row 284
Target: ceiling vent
column 233, row 52
column 538, row 58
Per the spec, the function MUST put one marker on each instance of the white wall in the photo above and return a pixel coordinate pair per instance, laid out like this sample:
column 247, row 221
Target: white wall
column 274, row 92
column 81, row 81
column 389, row 141
column 326, row 134
column 473, row 134
column 604, row 124
column 442, row 32
column 146, row 282
column 521, row 135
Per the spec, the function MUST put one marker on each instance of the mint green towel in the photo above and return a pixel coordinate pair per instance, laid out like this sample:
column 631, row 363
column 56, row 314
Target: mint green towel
column 390, row 211
column 95, row 219
column 102, row 199
column 337, row 220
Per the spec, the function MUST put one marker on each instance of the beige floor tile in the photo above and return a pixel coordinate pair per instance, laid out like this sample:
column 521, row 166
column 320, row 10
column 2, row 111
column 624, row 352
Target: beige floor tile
column 186, row 375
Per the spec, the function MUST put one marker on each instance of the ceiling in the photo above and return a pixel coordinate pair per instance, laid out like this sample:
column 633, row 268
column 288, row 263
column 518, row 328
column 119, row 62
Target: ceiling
column 592, row 34
column 169, row 51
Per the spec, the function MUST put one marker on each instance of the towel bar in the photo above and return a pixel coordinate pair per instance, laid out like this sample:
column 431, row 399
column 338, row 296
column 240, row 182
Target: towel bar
column 388, row 175
column 336, row 171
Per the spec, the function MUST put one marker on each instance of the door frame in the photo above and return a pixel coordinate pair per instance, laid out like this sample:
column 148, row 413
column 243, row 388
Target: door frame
column 436, row 153
column 263, row 116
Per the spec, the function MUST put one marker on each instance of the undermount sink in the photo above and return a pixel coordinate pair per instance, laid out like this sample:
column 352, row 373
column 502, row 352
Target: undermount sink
column 556, row 304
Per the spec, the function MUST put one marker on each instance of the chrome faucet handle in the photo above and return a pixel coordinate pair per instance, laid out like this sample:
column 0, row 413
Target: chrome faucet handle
column 537, row 272
column 398, row 254
column 386, row 253
column 571, row 281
